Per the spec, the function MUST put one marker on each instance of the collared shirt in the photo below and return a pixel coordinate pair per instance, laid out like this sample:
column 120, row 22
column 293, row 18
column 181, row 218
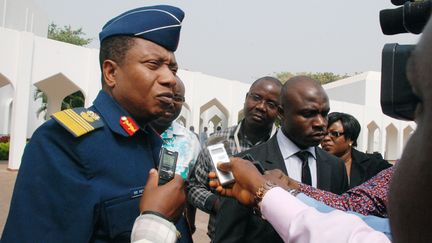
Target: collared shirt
column 200, row 194
column 377, row 223
column 370, row 197
column 296, row 222
column 178, row 138
column 292, row 162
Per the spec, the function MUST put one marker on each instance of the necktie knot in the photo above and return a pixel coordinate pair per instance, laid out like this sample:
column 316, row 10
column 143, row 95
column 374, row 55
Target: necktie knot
column 303, row 156
column 306, row 174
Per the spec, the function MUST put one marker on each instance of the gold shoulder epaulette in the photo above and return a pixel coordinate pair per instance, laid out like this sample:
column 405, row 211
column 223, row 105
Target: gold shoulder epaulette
column 78, row 121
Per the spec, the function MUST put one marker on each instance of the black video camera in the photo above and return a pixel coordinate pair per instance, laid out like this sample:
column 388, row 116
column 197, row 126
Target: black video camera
column 397, row 99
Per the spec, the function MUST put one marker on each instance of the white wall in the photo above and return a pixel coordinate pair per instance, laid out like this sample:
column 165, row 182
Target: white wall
column 369, row 111
column 23, row 15
column 59, row 69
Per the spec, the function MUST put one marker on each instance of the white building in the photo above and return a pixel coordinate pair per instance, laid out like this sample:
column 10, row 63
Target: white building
column 360, row 96
column 29, row 60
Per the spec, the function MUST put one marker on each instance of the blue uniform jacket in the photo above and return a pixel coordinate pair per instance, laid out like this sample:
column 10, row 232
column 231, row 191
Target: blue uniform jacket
column 84, row 189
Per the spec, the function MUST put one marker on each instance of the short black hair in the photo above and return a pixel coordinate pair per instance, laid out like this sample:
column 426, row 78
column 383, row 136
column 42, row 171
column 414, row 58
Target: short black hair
column 349, row 123
column 115, row 48
column 267, row 78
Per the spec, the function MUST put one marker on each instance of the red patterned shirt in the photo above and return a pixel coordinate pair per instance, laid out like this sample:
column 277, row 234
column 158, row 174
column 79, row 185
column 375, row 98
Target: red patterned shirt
column 367, row 198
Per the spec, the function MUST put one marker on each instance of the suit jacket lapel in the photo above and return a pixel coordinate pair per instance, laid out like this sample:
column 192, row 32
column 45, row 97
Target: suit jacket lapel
column 323, row 170
column 274, row 159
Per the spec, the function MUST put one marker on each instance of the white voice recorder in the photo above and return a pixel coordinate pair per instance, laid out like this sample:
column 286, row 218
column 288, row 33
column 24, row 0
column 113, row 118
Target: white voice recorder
column 218, row 154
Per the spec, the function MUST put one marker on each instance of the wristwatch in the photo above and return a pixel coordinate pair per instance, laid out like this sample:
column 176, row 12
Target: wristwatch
column 262, row 190
column 293, row 192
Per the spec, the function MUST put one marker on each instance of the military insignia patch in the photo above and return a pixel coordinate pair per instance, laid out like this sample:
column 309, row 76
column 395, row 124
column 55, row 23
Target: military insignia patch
column 128, row 125
column 90, row 116
column 78, row 121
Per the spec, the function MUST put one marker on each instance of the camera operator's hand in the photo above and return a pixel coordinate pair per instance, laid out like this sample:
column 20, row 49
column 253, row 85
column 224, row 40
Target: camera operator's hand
column 168, row 199
column 279, row 178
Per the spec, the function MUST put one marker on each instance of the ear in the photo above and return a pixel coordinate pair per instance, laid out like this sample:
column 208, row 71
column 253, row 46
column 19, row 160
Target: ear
column 109, row 71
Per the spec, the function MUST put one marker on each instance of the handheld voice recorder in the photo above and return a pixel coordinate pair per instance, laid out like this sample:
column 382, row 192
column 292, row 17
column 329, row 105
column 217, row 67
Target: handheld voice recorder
column 218, row 154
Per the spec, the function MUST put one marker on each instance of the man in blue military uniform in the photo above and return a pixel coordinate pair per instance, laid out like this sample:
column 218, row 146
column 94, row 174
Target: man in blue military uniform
column 83, row 172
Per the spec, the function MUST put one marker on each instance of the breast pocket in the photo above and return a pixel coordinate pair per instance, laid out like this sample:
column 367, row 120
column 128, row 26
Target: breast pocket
column 119, row 214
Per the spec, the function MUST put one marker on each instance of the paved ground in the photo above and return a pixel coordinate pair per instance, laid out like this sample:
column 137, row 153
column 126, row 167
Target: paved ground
column 7, row 182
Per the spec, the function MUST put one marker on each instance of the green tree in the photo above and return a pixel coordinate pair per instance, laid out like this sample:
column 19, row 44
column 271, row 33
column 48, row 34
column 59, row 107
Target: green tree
column 68, row 35
column 41, row 95
column 327, row 77
column 75, row 37
column 284, row 76
column 74, row 100
column 323, row 78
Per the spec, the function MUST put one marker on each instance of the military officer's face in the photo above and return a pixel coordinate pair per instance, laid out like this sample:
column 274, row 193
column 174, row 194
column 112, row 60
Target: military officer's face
column 143, row 83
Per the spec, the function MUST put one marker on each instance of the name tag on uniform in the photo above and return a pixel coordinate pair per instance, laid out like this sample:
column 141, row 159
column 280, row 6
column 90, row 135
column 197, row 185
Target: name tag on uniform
column 136, row 192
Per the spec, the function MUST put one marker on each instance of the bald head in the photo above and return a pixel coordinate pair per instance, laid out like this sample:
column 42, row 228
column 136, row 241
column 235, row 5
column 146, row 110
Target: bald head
column 305, row 106
column 300, row 84
column 409, row 197
column 179, row 88
column 419, row 67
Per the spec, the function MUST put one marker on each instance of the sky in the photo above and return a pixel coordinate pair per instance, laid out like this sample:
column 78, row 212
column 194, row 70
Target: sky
column 246, row 39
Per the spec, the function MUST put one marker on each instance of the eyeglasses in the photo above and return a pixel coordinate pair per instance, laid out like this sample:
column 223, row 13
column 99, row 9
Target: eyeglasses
column 335, row 134
column 258, row 99
column 179, row 98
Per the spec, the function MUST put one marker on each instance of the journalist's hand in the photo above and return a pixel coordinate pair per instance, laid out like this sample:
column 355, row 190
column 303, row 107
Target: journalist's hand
column 279, row 178
column 247, row 180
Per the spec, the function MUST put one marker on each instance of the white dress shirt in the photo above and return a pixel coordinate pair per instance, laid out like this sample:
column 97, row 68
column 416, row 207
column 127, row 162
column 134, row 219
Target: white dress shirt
column 293, row 164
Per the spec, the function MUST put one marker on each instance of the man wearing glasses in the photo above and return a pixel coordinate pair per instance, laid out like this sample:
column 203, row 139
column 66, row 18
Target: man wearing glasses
column 175, row 136
column 178, row 138
column 260, row 111
column 294, row 150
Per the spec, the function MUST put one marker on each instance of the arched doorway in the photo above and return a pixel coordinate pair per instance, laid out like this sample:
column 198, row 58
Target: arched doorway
column 213, row 114
column 374, row 138
column 407, row 132
column 391, row 148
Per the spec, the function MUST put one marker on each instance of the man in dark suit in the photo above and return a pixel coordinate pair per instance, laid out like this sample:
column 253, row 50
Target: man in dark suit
column 303, row 111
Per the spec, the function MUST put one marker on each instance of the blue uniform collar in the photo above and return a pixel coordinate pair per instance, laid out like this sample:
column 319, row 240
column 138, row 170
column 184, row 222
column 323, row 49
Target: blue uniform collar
column 111, row 112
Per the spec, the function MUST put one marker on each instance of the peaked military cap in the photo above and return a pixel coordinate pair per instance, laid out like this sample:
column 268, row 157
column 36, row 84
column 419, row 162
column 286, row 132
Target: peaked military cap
column 160, row 24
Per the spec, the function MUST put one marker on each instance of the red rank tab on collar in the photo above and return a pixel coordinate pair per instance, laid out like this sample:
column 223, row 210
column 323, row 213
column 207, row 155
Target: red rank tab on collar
column 128, row 125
